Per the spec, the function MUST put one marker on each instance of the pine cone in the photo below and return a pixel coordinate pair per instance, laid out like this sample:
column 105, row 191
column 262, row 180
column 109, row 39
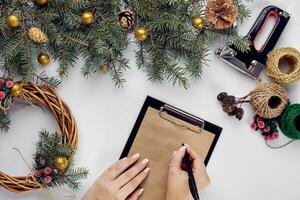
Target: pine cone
column 221, row 13
column 37, row 35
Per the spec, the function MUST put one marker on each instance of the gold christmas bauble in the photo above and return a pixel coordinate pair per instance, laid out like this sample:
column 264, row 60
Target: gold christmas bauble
column 43, row 58
column 13, row 21
column 41, row 2
column 126, row 19
column 17, row 89
column 198, row 22
column 61, row 163
column 141, row 33
column 87, row 18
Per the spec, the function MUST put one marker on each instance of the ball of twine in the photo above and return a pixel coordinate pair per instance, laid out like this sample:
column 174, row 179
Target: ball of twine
column 269, row 100
column 290, row 122
column 284, row 56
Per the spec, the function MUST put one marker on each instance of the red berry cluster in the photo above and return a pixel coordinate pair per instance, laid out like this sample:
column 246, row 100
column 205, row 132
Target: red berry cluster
column 267, row 127
column 45, row 174
column 5, row 86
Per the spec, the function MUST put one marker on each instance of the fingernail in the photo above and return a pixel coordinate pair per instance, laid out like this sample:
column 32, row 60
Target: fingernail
column 182, row 148
column 145, row 161
column 141, row 192
column 136, row 156
column 147, row 170
column 124, row 158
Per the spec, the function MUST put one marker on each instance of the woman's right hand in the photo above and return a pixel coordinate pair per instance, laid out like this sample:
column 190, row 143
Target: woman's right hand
column 177, row 183
column 120, row 181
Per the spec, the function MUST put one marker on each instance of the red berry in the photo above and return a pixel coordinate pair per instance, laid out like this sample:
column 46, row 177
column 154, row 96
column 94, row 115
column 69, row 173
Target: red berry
column 38, row 173
column 48, row 179
column 9, row 84
column 267, row 129
column 1, row 81
column 270, row 137
column 254, row 126
column 2, row 95
column 261, row 124
column 259, row 119
column 47, row 170
column 275, row 135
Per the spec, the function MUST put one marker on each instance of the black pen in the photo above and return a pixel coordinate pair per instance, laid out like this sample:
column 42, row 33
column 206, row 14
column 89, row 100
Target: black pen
column 192, row 182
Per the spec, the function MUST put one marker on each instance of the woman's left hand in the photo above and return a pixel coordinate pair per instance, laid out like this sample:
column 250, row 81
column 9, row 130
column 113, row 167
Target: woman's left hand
column 120, row 181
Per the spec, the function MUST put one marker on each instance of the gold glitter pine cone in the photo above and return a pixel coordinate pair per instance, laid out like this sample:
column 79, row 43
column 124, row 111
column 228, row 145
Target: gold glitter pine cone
column 221, row 13
column 37, row 35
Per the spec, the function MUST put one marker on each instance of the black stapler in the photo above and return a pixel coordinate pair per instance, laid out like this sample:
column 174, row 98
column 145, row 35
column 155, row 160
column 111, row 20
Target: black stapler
column 253, row 62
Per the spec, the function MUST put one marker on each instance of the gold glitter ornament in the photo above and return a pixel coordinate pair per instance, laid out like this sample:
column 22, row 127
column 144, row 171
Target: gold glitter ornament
column 43, row 58
column 13, row 20
column 41, row 2
column 37, row 35
column 87, row 18
column 61, row 163
column 17, row 89
column 198, row 22
column 141, row 34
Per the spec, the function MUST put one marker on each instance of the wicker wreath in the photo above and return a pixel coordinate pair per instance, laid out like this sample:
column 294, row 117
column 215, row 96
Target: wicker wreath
column 46, row 96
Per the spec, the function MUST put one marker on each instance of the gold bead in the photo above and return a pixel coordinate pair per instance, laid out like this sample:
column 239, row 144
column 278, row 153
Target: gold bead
column 198, row 22
column 61, row 163
column 13, row 21
column 87, row 18
column 141, row 34
column 41, row 2
column 17, row 89
column 43, row 59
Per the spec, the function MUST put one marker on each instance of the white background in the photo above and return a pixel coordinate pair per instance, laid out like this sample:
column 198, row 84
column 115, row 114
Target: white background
column 242, row 167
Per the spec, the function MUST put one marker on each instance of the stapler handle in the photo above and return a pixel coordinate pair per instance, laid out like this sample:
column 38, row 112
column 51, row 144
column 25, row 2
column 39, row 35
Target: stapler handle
column 281, row 19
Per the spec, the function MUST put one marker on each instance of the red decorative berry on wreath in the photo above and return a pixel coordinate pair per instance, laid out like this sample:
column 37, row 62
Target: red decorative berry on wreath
column 48, row 170
column 48, row 179
column 2, row 95
column 38, row 173
column 9, row 84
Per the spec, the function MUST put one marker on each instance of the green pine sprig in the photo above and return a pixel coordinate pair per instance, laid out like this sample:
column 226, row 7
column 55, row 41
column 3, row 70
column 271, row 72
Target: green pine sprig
column 48, row 149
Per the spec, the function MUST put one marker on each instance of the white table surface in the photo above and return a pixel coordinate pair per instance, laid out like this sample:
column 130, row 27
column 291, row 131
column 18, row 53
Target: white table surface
column 242, row 167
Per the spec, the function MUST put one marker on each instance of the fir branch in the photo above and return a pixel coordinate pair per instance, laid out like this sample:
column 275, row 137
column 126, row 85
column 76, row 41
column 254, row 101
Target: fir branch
column 48, row 80
column 75, row 40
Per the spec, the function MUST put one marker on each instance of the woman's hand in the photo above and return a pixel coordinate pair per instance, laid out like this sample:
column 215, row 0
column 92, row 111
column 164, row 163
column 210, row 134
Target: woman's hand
column 177, row 184
column 120, row 181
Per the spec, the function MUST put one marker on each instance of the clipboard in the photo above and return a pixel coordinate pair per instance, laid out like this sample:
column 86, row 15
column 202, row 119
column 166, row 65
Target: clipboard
column 156, row 116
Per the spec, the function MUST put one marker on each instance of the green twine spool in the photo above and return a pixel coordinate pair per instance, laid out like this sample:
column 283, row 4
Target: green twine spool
column 290, row 122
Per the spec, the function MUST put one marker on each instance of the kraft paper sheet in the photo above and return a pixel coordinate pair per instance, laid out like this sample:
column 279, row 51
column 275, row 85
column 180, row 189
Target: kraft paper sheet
column 156, row 140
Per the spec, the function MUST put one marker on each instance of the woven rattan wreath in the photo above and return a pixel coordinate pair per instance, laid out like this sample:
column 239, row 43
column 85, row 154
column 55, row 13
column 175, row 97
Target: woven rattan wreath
column 50, row 169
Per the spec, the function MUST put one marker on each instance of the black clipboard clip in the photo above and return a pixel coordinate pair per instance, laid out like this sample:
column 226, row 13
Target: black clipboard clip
column 166, row 110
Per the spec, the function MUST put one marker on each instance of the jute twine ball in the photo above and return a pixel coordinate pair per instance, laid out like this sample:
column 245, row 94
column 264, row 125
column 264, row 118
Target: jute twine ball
column 284, row 57
column 269, row 100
